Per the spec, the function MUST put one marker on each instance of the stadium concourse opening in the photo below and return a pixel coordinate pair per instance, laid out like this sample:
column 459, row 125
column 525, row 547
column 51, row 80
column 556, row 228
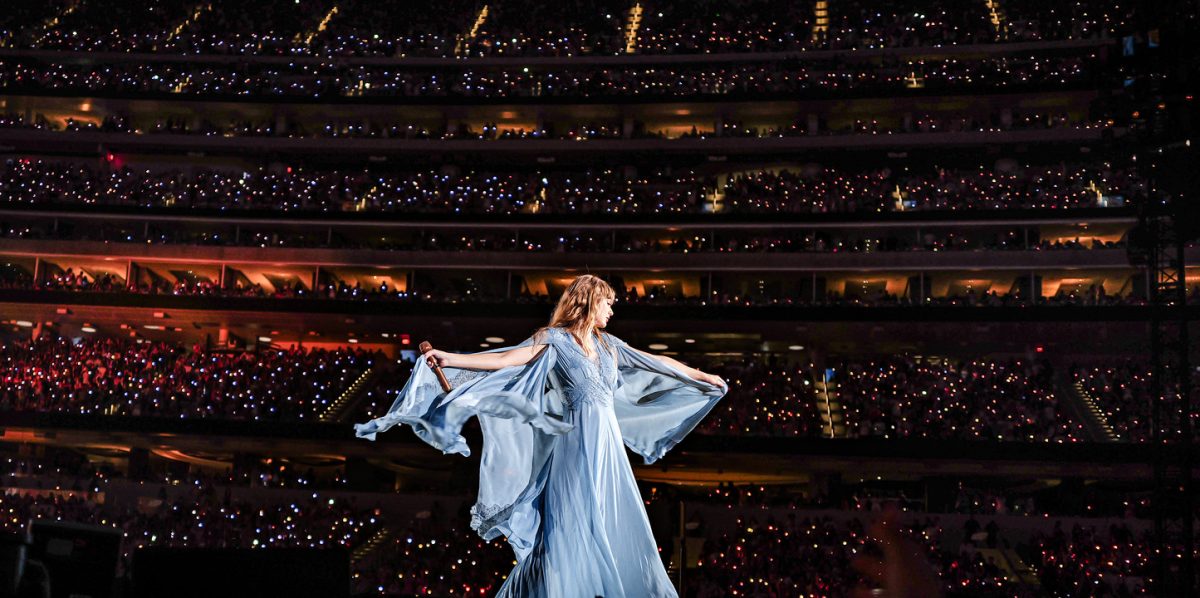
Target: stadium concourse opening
column 917, row 274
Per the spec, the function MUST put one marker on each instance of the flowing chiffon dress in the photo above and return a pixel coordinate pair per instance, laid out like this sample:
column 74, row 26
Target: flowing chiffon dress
column 554, row 477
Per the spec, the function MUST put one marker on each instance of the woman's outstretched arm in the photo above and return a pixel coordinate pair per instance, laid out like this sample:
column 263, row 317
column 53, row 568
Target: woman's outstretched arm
column 483, row 361
column 691, row 372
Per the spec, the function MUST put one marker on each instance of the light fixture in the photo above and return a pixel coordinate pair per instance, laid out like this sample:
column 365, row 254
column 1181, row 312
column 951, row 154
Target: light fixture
column 796, row 347
column 689, row 340
column 494, row 339
column 88, row 329
column 484, row 345
column 152, row 327
column 264, row 339
column 658, row 347
column 24, row 323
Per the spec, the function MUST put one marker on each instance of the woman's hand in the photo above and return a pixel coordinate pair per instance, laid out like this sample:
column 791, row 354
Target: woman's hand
column 437, row 357
column 711, row 379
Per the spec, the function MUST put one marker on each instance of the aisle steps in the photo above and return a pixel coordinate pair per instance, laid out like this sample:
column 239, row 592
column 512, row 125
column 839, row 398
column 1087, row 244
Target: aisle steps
column 345, row 403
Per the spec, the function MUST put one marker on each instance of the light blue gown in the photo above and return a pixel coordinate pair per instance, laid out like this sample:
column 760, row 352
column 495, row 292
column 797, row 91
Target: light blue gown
column 554, row 478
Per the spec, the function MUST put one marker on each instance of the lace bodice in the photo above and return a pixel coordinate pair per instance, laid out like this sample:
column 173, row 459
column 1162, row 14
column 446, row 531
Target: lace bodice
column 584, row 380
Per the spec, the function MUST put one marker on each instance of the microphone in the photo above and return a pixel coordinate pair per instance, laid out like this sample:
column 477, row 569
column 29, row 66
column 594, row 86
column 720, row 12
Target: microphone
column 437, row 369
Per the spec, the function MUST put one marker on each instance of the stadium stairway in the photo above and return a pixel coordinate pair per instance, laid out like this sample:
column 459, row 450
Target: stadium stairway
column 307, row 37
column 1025, row 575
column 1004, row 558
column 829, row 406
column 997, row 18
column 348, row 401
column 1085, row 407
column 632, row 23
column 820, row 26
column 198, row 12
column 53, row 21
column 372, row 544
column 1013, row 567
column 464, row 41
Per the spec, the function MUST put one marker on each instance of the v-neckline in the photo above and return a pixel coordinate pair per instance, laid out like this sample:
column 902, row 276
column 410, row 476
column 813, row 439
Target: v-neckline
column 594, row 361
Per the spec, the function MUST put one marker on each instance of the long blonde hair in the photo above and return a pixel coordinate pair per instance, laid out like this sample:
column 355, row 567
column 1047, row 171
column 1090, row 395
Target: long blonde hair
column 577, row 307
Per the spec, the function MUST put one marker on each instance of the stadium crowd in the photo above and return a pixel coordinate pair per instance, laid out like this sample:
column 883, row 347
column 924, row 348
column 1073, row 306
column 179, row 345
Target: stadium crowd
column 788, row 78
column 803, row 189
column 451, row 292
column 573, row 131
column 758, row 541
column 751, row 549
column 1124, row 395
column 988, row 497
column 896, row 397
column 434, row 554
column 853, row 240
column 137, row 377
column 83, row 474
column 1092, row 561
column 202, row 518
column 323, row 28
column 792, row 554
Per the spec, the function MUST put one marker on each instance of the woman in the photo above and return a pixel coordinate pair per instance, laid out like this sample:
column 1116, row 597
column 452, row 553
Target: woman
column 554, row 478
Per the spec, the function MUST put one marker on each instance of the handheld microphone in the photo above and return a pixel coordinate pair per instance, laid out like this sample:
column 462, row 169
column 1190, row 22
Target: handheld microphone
column 437, row 369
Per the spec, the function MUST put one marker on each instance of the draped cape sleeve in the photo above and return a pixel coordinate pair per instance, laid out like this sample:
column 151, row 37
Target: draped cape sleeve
column 655, row 403
column 520, row 411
